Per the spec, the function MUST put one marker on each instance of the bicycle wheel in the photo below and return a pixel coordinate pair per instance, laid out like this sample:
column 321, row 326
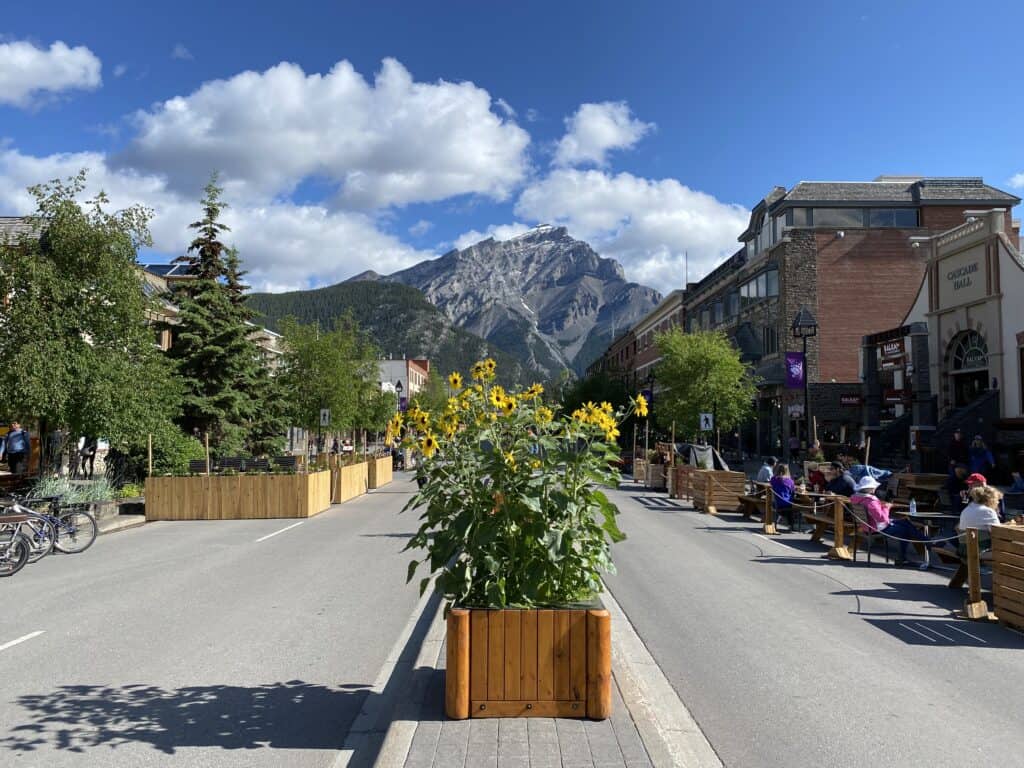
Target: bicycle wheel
column 14, row 552
column 43, row 537
column 76, row 531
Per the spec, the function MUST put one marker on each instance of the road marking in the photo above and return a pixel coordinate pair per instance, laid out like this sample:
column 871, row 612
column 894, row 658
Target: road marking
column 962, row 632
column 29, row 636
column 934, row 631
column 286, row 528
column 922, row 634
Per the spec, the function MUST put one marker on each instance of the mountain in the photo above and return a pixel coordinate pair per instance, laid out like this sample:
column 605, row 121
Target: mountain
column 399, row 319
column 546, row 298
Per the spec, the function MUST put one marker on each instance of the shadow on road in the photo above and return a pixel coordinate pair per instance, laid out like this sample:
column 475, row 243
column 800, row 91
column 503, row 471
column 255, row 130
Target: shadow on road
column 291, row 715
column 659, row 504
column 949, row 632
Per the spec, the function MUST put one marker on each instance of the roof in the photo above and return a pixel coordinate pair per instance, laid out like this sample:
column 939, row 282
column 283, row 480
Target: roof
column 910, row 190
column 13, row 227
column 168, row 270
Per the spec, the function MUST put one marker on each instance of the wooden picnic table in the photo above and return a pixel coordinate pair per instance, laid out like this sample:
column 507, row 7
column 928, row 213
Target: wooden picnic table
column 832, row 515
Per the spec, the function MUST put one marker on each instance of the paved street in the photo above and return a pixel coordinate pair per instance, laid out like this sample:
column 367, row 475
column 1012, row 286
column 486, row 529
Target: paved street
column 788, row 659
column 197, row 644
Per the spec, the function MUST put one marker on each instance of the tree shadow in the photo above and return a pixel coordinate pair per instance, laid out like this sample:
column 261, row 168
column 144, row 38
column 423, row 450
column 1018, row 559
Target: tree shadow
column 290, row 715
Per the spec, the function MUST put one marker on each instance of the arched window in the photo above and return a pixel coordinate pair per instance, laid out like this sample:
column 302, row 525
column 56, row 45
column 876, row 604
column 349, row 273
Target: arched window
column 970, row 352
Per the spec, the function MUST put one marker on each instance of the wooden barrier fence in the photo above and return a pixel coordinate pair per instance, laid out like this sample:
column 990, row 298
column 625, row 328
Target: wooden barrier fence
column 237, row 497
column 349, row 482
column 379, row 472
column 1008, row 574
column 682, row 481
column 715, row 490
column 655, row 476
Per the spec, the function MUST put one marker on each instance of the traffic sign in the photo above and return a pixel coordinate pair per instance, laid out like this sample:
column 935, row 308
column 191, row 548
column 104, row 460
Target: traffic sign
column 707, row 422
column 325, row 417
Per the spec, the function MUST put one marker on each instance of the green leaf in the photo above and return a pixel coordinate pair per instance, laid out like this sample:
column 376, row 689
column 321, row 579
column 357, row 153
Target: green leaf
column 423, row 585
column 412, row 570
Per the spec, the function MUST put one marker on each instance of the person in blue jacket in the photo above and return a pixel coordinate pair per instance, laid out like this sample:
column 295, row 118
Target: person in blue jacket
column 979, row 457
column 16, row 446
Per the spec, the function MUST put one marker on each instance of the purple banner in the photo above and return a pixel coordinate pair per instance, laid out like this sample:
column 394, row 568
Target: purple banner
column 403, row 404
column 795, row 370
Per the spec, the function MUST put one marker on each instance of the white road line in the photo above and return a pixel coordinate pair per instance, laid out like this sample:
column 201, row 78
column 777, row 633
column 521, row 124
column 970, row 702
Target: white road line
column 286, row 528
column 935, row 631
column 22, row 639
column 962, row 632
column 922, row 634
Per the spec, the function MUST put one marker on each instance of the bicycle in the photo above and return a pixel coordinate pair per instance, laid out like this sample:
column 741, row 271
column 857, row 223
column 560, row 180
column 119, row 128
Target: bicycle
column 38, row 528
column 14, row 547
column 74, row 529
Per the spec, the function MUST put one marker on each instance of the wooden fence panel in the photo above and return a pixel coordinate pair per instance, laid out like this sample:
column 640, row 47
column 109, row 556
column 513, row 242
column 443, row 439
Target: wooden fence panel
column 237, row 497
column 1008, row 574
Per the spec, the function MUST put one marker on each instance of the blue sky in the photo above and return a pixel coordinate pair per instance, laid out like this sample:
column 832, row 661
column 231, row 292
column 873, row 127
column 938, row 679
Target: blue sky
column 357, row 136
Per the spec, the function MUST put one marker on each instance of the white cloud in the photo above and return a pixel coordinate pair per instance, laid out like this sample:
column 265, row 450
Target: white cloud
column 28, row 73
column 283, row 245
column 497, row 231
column 595, row 130
column 181, row 53
column 505, row 107
column 1016, row 181
column 421, row 228
column 646, row 224
column 532, row 115
column 120, row 69
column 390, row 142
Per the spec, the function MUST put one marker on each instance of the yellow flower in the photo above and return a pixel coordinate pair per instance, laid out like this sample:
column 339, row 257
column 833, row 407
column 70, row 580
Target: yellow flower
column 544, row 415
column 641, row 405
column 510, row 459
column 508, row 405
column 477, row 372
column 428, row 445
column 535, row 391
column 611, row 433
column 455, row 380
column 579, row 415
column 497, row 396
column 535, row 464
column 490, row 366
column 606, row 407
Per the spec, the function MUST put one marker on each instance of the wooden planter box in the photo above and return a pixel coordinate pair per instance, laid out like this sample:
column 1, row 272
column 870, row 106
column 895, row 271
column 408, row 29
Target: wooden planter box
column 656, row 476
column 528, row 663
column 715, row 490
column 1008, row 574
column 237, row 497
column 349, row 482
column 640, row 471
column 379, row 472
column 682, row 481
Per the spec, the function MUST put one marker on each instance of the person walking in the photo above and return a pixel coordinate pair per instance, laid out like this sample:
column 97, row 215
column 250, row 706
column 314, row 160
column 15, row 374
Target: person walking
column 979, row 457
column 87, row 455
column 16, row 446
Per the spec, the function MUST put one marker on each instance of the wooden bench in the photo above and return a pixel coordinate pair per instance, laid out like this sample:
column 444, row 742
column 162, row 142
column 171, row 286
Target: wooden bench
column 751, row 506
column 286, row 462
column 197, row 466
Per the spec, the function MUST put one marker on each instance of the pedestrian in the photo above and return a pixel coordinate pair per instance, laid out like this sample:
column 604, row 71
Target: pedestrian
column 878, row 521
column 979, row 457
column 783, row 489
column 87, row 454
column 16, row 446
column 336, row 446
column 958, row 450
column 765, row 474
column 794, row 446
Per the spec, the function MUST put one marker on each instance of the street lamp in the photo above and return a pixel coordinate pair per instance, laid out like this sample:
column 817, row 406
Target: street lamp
column 398, row 391
column 647, row 422
column 804, row 328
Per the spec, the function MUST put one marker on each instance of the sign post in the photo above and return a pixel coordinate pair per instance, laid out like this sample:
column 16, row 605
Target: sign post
column 707, row 422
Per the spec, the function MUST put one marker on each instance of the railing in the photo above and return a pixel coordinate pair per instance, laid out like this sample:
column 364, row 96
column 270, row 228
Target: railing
column 977, row 417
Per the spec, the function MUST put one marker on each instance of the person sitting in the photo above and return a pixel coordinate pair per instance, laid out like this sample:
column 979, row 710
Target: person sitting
column 980, row 514
column 1018, row 483
column 878, row 521
column 783, row 489
column 838, row 480
column 816, row 453
column 956, row 487
column 815, row 476
column 765, row 473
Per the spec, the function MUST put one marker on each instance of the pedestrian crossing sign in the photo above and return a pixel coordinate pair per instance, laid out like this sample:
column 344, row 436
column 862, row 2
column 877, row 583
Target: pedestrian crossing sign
column 707, row 422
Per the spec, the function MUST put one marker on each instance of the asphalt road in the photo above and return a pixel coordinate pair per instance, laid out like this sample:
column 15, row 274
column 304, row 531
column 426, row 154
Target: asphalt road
column 195, row 644
column 787, row 659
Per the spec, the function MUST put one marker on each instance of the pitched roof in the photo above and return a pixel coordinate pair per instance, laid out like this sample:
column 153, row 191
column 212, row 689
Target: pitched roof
column 13, row 227
column 910, row 190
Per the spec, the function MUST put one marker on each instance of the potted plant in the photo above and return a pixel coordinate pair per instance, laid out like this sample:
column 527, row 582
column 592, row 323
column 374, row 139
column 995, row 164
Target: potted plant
column 517, row 528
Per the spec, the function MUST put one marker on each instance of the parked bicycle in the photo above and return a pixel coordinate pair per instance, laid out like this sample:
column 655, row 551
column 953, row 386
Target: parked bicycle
column 69, row 529
column 15, row 547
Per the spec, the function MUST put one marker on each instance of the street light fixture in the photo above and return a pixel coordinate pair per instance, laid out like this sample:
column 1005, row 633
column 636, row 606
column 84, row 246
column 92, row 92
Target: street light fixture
column 804, row 328
column 398, row 391
column 649, row 381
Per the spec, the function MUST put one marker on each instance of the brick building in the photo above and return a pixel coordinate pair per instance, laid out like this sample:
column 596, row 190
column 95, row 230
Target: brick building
column 843, row 250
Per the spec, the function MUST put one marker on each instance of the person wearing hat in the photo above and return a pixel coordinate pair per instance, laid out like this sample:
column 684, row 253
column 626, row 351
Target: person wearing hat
column 979, row 457
column 878, row 521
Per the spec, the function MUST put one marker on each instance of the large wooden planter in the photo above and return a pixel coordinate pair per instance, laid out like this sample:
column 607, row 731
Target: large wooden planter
column 237, row 497
column 682, row 481
column 715, row 490
column 1008, row 574
column 349, row 482
column 656, row 476
column 528, row 663
column 640, row 471
column 379, row 472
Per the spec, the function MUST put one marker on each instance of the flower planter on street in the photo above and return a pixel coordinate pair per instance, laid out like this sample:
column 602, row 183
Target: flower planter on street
column 379, row 472
column 528, row 663
column 715, row 490
column 237, row 497
column 350, row 481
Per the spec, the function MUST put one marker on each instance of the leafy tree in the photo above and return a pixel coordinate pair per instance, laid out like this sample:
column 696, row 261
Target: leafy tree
column 701, row 372
column 326, row 369
column 434, row 394
column 74, row 340
column 217, row 360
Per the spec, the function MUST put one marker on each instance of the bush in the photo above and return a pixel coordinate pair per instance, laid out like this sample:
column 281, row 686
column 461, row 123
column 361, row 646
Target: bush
column 74, row 493
column 129, row 491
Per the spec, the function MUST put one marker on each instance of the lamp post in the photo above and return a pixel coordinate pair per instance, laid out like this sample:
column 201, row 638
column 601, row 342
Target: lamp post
column 804, row 328
column 647, row 422
column 398, row 390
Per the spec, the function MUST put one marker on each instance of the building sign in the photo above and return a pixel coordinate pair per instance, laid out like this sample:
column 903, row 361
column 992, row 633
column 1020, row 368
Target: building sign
column 892, row 352
column 795, row 373
column 963, row 277
column 796, row 411
column 851, row 400
column 893, row 396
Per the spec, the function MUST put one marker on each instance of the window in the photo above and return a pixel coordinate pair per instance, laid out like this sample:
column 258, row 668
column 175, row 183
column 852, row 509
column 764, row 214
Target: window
column 901, row 218
column 800, row 217
column 772, row 280
column 732, row 304
column 838, row 217
column 762, row 285
column 718, row 312
column 769, row 341
column 705, row 318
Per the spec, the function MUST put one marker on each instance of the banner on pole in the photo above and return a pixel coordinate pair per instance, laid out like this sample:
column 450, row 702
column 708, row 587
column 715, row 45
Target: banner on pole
column 795, row 371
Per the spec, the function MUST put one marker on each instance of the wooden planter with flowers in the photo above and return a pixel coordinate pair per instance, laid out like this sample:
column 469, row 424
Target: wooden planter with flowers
column 517, row 530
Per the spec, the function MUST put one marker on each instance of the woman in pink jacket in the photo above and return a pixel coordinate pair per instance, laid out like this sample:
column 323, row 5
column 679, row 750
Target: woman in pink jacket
column 878, row 521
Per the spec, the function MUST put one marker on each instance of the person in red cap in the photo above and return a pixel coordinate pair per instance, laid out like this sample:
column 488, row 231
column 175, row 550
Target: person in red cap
column 976, row 478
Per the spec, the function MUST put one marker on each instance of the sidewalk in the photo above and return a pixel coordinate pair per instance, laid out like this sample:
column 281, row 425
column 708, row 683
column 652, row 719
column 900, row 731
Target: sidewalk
column 522, row 742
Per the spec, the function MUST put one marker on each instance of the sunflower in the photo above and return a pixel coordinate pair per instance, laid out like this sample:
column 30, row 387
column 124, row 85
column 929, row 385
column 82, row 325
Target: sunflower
column 545, row 415
column 611, row 433
column 508, row 405
column 490, row 366
column 641, row 405
column 455, row 380
column 606, row 407
column 428, row 445
column 534, row 391
column 477, row 372
column 510, row 459
column 497, row 396
column 535, row 464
